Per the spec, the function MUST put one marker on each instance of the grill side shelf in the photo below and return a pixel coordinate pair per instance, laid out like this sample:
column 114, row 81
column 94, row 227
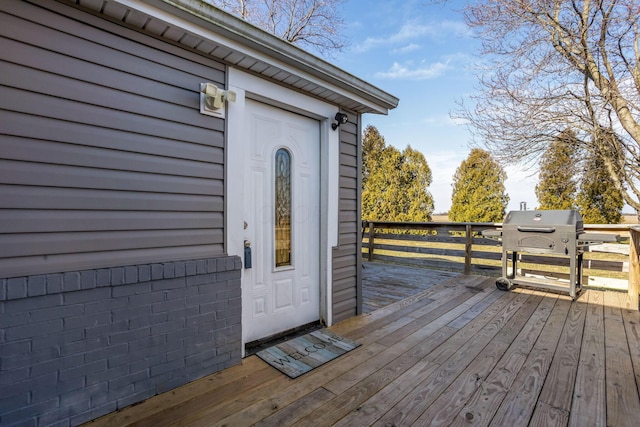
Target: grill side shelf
column 596, row 238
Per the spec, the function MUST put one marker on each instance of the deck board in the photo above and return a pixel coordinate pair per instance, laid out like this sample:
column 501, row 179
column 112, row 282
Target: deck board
column 519, row 404
column 447, row 406
column 385, row 284
column 518, row 338
column 622, row 393
column 589, row 395
column 557, row 391
column 453, row 351
column 631, row 320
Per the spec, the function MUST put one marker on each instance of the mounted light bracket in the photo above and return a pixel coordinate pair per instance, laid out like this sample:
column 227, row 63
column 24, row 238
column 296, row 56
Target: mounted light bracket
column 212, row 99
column 341, row 119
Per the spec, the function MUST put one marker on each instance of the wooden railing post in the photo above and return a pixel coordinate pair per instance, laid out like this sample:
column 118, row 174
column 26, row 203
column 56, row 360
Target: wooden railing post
column 634, row 267
column 467, row 249
column 371, row 239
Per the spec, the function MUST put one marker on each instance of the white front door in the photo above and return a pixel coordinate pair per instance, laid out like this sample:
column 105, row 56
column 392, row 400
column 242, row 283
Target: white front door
column 281, row 196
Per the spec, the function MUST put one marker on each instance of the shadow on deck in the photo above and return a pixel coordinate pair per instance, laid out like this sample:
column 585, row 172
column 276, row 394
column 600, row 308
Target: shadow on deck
column 455, row 352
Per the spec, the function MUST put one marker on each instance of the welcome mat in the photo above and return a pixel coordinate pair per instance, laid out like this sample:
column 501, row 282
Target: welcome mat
column 300, row 355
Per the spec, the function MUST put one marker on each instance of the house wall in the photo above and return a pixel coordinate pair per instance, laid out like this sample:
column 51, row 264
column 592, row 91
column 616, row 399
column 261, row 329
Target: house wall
column 347, row 268
column 105, row 160
column 81, row 344
column 114, row 281
column 115, row 278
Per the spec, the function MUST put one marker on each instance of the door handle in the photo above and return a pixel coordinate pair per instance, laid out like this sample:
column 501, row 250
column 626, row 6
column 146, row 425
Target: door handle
column 247, row 254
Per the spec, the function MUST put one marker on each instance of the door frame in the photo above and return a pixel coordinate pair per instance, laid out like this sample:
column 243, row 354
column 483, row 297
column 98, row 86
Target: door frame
column 248, row 86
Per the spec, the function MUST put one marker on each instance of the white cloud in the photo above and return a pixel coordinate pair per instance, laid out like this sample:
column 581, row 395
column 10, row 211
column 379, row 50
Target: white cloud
column 415, row 31
column 422, row 72
column 456, row 28
column 444, row 120
column 411, row 30
column 406, row 49
column 425, row 71
column 408, row 31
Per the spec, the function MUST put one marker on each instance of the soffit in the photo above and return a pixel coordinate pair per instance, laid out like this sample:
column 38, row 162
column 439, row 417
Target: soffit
column 215, row 33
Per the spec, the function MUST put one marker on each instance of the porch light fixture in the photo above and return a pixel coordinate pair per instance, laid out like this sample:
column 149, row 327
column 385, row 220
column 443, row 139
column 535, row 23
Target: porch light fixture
column 341, row 119
column 212, row 99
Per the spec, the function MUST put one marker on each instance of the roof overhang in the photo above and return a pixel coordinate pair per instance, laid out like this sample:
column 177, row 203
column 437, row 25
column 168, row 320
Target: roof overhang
column 213, row 32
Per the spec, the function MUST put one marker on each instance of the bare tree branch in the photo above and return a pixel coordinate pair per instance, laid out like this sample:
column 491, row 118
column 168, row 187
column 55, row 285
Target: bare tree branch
column 312, row 24
column 552, row 65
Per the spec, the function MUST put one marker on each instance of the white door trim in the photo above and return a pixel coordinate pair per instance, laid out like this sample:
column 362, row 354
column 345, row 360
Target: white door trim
column 249, row 86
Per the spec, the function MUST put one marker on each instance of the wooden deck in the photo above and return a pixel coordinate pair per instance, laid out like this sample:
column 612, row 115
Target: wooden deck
column 384, row 284
column 459, row 352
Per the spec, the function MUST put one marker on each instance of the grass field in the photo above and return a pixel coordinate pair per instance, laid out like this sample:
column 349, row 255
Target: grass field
column 627, row 218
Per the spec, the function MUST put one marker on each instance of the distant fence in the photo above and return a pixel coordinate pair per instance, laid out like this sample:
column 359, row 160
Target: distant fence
column 457, row 246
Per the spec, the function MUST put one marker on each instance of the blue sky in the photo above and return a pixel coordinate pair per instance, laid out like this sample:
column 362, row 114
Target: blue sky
column 422, row 53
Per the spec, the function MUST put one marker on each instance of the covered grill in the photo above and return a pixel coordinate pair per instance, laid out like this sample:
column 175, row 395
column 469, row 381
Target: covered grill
column 557, row 232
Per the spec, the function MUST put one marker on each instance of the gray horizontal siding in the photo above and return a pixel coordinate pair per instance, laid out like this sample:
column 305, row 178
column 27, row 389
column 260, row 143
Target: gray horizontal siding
column 105, row 159
column 20, row 197
column 346, row 277
column 81, row 110
column 35, row 20
column 43, row 151
column 31, row 221
column 25, row 244
column 54, row 175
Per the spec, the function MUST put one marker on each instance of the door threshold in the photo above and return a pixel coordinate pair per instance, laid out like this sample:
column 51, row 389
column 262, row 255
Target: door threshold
column 253, row 347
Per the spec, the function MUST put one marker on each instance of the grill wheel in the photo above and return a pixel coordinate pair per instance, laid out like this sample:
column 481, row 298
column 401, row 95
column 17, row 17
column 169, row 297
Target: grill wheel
column 504, row 284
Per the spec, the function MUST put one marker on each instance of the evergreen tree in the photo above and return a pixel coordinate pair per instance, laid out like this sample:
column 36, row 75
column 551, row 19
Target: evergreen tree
column 557, row 186
column 478, row 190
column 373, row 145
column 395, row 184
column 599, row 201
column 416, row 203
column 380, row 193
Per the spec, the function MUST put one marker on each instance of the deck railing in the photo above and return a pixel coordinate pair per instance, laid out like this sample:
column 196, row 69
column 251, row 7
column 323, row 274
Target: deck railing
column 457, row 246
column 634, row 266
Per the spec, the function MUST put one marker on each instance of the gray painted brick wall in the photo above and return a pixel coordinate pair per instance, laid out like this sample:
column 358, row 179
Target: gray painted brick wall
column 77, row 345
